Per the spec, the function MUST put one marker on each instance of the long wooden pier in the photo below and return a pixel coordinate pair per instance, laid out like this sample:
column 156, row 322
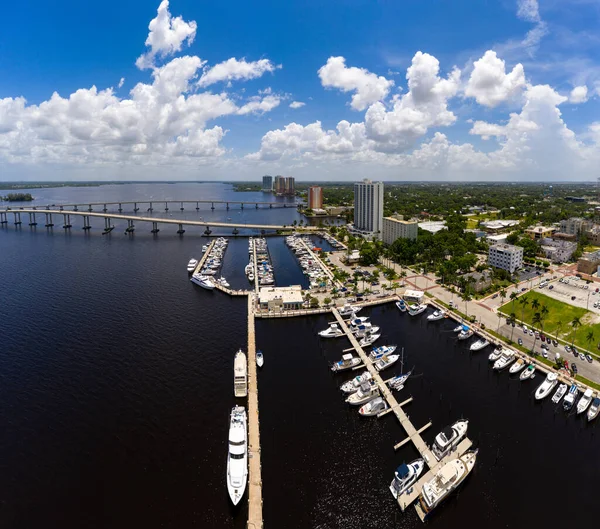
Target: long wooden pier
column 255, row 516
column 413, row 435
column 204, row 257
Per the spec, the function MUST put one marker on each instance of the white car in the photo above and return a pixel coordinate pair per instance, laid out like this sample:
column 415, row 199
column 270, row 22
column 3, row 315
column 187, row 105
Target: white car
column 525, row 329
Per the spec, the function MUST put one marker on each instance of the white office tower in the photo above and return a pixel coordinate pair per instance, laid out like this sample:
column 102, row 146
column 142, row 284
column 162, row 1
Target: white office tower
column 368, row 208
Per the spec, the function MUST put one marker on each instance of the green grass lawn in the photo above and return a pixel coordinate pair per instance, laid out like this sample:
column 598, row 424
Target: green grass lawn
column 559, row 312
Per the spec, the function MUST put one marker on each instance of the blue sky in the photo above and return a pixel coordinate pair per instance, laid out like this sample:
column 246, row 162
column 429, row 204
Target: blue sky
column 449, row 90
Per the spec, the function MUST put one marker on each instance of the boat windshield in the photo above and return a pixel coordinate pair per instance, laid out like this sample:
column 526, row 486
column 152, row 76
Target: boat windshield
column 236, row 456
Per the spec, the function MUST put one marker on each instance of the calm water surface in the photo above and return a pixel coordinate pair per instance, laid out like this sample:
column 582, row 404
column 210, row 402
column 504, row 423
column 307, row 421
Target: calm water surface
column 115, row 384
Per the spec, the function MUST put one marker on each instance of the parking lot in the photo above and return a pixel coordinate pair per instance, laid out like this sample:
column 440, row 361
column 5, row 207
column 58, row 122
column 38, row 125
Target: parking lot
column 585, row 295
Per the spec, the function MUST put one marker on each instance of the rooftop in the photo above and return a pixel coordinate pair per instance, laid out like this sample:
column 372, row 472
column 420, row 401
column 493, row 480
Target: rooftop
column 291, row 294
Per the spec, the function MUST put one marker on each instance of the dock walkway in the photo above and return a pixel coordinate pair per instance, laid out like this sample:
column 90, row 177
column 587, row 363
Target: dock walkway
column 412, row 433
column 255, row 502
column 204, row 257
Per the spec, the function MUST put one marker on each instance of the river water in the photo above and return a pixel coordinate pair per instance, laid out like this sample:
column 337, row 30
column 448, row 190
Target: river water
column 115, row 389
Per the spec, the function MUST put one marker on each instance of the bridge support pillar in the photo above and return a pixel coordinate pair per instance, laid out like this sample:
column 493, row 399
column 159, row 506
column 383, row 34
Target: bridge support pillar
column 90, row 208
column 212, row 205
column 105, row 209
column 154, row 229
column 197, row 207
column 108, row 227
column 270, row 206
column 61, row 208
column 3, row 219
column 181, row 208
column 207, row 231
column 227, row 206
column 32, row 221
column 135, row 208
column 49, row 222
column 67, row 221
column 75, row 208
column 235, row 231
column 130, row 227
column 284, row 205
column 256, row 205
column 120, row 208
column 180, row 231
column 17, row 218
column 86, row 223
column 166, row 206
column 150, row 208
column 242, row 205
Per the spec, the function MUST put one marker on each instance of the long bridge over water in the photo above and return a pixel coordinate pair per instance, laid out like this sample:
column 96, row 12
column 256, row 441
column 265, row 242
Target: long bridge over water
column 131, row 219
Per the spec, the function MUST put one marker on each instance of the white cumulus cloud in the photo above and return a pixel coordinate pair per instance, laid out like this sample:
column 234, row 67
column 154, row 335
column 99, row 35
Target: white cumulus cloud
column 367, row 87
column 258, row 105
column 121, row 82
column 166, row 37
column 579, row 94
column 297, row 104
column 490, row 85
column 236, row 70
column 528, row 10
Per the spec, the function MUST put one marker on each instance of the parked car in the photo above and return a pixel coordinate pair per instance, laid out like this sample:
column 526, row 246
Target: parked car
column 520, row 341
column 550, row 287
column 567, row 348
column 574, row 367
column 494, row 296
column 573, row 298
column 530, row 332
column 525, row 329
column 575, row 353
column 555, row 343
column 523, row 289
column 589, row 358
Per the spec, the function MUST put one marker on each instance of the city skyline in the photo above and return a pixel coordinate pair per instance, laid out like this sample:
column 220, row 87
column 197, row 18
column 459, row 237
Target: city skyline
column 507, row 91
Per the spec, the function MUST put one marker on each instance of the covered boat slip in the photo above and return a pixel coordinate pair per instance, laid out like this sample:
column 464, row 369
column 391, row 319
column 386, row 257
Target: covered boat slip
column 413, row 435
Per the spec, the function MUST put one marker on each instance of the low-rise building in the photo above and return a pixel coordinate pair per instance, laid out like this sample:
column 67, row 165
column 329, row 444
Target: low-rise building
column 433, row 226
column 413, row 296
column 498, row 226
column 558, row 251
column 353, row 257
column 506, row 256
column 540, row 232
column 395, row 227
column 496, row 239
column 574, row 226
column 479, row 281
column 281, row 298
column 589, row 263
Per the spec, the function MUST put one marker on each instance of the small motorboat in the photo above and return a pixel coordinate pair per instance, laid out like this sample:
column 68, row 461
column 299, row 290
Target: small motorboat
column 365, row 329
column 405, row 476
column 369, row 339
column 333, row 331
column 368, row 391
column 356, row 322
column 458, row 328
column 585, row 401
column 347, row 362
column 260, row 359
column 527, row 373
column 397, row 383
column 495, row 354
column 464, row 334
column 436, row 315
column 559, row 393
column 517, row 366
column 479, row 345
column 348, row 310
column 569, row 400
column 386, row 361
column 382, row 350
column 192, row 264
column 352, row 385
column 401, row 305
column 373, row 407
column 414, row 310
column 223, row 282
column 546, row 387
column 594, row 409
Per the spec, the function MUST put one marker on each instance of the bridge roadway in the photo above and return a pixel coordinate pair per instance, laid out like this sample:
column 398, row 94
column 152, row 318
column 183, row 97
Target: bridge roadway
column 160, row 220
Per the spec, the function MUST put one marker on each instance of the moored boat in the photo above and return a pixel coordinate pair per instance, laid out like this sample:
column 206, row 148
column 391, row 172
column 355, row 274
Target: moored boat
column 397, row 383
column 401, row 305
column 348, row 310
column 386, row 361
column 527, row 373
column 260, row 359
column 333, row 331
column 366, row 392
column 458, row 328
column 405, row 476
column 240, row 374
column 414, row 310
column 436, row 315
column 506, row 358
column 202, row 281
column 594, row 409
column 569, row 400
column 585, row 401
column 352, row 385
column 517, row 366
column 464, row 334
column 449, row 438
column 373, row 407
column 546, row 387
column 369, row 339
column 445, row 481
column 347, row 362
column 479, row 345
column 237, row 455
column 559, row 393
column 495, row 354
column 382, row 350
column 192, row 264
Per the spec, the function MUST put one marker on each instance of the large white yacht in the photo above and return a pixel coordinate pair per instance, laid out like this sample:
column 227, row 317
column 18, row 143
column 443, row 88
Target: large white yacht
column 369, row 339
column 368, row 391
column 448, row 438
column 495, row 354
column 373, row 407
column 240, row 374
column 446, row 480
column 202, row 281
column 405, row 476
column 546, row 387
column 506, row 358
column 585, row 401
column 192, row 264
column 333, row 331
column 237, row 456
column 348, row 310
column 352, row 385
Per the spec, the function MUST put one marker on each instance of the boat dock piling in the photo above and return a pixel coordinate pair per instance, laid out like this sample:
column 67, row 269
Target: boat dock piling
column 412, row 433
column 255, row 502
column 203, row 258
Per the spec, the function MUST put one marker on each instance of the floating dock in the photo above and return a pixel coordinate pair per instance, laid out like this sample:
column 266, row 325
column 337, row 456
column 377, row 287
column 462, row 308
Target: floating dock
column 413, row 435
column 204, row 258
column 255, row 516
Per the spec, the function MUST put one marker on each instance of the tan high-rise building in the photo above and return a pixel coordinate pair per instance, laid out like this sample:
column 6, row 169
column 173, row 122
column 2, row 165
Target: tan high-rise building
column 315, row 197
column 284, row 185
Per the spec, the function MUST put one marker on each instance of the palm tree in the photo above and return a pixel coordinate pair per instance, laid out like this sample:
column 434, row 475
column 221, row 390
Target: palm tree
column 559, row 325
column 589, row 337
column 502, row 295
column 395, row 286
column 465, row 296
column 523, row 301
column 575, row 324
column 543, row 313
column 535, row 304
column 511, row 320
column 536, row 320
column 513, row 297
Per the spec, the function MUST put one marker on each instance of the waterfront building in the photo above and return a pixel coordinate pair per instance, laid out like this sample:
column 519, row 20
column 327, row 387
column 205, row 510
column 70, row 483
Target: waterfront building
column 413, row 296
column 368, row 208
column 315, row 197
column 284, row 185
column 395, row 227
column 539, row 232
column 267, row 184
column 506, row 256
column 281, row 298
